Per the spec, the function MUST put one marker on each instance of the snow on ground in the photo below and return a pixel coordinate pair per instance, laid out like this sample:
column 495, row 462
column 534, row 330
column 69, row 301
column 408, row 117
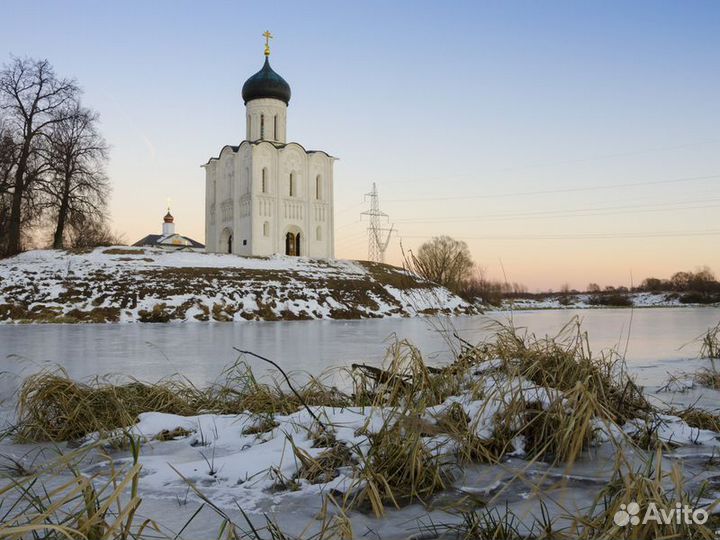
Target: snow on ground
column 252, row 461
column 126, row 284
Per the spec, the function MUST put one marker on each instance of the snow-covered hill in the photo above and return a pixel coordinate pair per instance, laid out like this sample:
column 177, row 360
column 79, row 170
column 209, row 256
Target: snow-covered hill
column 124, row 284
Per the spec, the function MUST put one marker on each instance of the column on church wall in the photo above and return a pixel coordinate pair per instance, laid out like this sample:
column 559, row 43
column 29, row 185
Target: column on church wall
column 331, row 209
column 276, row 232
column 242, row 222
column 321, row 209
column 290, row 217
column 261, row 245
column 212, row 198
column 264, row 205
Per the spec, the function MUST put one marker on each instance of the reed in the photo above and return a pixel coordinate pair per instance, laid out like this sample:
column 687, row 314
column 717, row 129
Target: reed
column 549, row 395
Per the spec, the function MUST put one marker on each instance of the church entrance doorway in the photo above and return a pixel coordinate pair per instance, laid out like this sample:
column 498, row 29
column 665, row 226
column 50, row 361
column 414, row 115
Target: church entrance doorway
column 293, row 242
column 226, row 241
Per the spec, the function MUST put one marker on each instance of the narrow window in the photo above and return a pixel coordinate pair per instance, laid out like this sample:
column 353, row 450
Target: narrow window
column 262, row 126
column 292, row 184
column 264, row 180
column 318, row 233
column 266, row 229
column 249, row 128
column 318, row 188
column 275, row 137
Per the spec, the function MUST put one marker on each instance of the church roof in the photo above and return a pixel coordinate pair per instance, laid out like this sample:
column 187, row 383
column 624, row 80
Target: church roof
column 276, row 144
column 157, row 240
column 266, row 84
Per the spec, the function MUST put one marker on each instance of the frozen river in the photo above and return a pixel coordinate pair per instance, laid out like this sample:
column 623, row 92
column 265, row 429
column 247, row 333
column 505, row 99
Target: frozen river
column 200, row 350
column 653, row 339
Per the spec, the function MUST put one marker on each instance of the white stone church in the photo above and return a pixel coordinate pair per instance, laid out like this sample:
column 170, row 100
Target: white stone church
column 267, row 195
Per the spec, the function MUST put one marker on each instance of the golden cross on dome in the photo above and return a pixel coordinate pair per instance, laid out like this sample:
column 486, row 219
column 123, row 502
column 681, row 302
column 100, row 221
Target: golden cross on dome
column 169, row 200
column 268, row 36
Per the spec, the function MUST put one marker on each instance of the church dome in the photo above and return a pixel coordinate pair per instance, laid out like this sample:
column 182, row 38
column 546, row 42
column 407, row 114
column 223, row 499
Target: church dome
column 266, row 84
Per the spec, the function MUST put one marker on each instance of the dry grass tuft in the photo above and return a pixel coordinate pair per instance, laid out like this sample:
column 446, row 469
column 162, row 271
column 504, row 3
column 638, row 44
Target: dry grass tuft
column 645, row 485
column 698, row 418
column 325, row 466
column 101, row 508
column 708, row 377
column 398, row 469
column 52, row 407
column 565, row 363
column 710, row 347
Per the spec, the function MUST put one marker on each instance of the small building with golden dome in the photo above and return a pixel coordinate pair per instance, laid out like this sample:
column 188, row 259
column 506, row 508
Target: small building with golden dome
column 169, row 239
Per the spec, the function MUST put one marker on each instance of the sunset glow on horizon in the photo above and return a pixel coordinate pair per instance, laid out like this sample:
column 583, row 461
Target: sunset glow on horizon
column 565, row 142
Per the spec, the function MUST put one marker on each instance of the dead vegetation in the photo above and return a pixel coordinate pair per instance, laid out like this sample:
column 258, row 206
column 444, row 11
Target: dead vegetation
column 542, row 399
column 710, row 347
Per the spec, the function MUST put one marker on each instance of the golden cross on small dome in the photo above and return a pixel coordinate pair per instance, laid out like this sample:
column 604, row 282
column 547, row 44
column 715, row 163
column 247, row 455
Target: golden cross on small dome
column 268, row 36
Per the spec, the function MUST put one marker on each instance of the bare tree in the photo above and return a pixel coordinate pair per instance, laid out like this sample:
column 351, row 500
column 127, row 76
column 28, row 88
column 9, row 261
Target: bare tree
column 76, row 186
column 9, row 151
column 8, row 158
column 85, row 232
column 31, row 97
column 443, row 260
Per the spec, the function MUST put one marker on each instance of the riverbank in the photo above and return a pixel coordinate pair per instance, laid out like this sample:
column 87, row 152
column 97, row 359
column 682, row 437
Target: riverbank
column 601, row 301
column 127, row 284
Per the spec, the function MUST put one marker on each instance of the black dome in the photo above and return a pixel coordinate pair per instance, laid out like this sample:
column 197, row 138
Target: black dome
column 266, row 84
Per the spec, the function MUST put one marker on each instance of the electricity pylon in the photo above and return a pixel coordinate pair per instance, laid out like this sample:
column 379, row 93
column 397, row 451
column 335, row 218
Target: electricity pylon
column 377, row 241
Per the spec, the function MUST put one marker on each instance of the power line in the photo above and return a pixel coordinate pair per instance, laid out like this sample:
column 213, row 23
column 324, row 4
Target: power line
column 563, row 190
column 586, row 236
column 579, row 212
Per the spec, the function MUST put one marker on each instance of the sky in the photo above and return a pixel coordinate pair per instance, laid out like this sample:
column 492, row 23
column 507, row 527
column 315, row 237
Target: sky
column 566, row 142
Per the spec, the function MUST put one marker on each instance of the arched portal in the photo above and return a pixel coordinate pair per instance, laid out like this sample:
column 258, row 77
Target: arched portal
column 293, row 241
column 226, row 241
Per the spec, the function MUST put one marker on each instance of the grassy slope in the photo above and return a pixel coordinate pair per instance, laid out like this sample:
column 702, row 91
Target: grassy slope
column 132, row 284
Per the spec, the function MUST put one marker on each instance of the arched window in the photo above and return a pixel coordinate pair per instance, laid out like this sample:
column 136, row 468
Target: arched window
column 318, row 233
column 266, row 229
column 275, row 137
column 249, row 127
column 262, row 126
column 318, row 187
column 263, row 185
column 292, row 184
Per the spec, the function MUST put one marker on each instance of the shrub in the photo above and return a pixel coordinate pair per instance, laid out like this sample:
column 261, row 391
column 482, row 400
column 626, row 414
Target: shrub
column 613, row 299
